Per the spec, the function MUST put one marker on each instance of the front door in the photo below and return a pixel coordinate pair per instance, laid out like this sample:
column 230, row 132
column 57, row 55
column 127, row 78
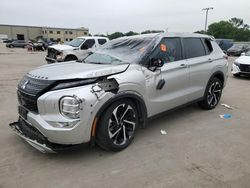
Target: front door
column 167, row 87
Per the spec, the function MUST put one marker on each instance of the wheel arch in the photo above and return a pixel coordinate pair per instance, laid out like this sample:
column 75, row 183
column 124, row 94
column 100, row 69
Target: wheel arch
column 219, row 75
column 70, row 55
column 138, row 101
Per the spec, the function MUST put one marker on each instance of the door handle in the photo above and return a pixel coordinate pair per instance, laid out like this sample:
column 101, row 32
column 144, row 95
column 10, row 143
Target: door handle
column 210, row 60
column 183, row 66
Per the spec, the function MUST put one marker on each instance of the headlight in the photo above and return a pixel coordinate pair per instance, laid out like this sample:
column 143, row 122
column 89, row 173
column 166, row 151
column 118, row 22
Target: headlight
column 70, row 107
column 236, row 63
column 59, row 56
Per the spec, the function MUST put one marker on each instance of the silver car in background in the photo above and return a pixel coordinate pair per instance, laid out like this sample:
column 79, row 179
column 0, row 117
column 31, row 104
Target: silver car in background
column 113, row 92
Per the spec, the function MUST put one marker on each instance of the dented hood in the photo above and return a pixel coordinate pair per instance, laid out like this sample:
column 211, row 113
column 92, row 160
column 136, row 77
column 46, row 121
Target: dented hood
column 74, row 70
column 61, row 47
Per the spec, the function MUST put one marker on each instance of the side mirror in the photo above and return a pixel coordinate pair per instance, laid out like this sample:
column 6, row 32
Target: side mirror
column 156, row 62
column 243, row 54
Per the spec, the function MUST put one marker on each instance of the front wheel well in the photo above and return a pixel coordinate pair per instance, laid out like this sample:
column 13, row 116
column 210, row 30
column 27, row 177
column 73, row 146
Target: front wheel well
column 138, row 101
column 70, row 57
column 220, row 76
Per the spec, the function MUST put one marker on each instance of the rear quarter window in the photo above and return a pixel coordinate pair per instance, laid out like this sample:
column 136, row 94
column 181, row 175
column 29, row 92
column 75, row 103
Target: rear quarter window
column 102, row 41
column 208, row 45
column 193, row 47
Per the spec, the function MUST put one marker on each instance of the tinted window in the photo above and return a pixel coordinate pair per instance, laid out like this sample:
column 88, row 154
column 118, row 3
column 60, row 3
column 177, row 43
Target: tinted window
column 193, row 47
column 102, row 41
column 208, row 45
column 169, row 50
column 88, row 44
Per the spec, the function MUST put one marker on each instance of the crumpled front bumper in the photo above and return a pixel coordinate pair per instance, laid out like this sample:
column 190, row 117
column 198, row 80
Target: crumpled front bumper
column 31, row 135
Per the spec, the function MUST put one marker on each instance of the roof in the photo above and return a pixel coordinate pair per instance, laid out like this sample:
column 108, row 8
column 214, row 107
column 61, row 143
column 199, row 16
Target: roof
column 168, row 34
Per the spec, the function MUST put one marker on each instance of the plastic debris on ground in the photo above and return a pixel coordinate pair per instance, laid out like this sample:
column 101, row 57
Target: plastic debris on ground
column 226, row 116
column 227, row 106
column 163, row 132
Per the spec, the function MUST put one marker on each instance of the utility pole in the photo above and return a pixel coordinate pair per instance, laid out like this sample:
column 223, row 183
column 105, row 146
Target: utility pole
column 207, row 9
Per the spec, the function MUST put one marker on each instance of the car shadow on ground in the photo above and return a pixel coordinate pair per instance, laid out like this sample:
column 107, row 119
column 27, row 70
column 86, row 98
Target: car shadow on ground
column 86, row 151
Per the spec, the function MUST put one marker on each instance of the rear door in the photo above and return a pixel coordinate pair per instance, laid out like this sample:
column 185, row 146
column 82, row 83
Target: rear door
column 167, row 87
column 197, row 52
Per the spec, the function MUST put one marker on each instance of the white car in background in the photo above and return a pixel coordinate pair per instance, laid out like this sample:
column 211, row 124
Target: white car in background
column 241, row 65
column 74, row 50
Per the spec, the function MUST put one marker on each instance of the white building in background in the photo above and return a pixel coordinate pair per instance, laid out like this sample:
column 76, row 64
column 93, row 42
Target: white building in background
column 22, row 32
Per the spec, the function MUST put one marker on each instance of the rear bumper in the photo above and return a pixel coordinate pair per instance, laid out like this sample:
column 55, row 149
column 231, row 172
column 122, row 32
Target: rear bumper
column 31, row 135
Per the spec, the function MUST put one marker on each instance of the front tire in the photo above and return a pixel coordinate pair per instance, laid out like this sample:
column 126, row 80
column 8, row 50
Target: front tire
column 117, row 126
column 212, row 94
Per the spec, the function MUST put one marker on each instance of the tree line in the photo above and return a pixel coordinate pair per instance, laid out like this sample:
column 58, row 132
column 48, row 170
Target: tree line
column 130, row 33
column 235, row 29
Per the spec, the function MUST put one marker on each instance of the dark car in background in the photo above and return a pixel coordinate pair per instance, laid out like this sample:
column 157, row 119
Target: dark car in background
column 17, row 43
column 237, row 49
column 225, row 44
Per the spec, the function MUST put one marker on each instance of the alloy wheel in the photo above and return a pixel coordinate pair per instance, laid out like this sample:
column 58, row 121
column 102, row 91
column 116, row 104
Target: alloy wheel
column 122, row 124
column 214, row 94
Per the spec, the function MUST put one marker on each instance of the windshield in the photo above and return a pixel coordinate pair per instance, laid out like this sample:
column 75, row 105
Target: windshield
column 123, row 50
column 237, row 46
column 76, row 42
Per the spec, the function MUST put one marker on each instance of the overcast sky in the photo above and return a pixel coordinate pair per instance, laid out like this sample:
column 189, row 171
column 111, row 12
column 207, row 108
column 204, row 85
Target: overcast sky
column 102, row 16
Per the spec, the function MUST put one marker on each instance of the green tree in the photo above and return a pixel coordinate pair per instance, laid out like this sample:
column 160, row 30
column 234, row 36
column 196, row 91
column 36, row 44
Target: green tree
column 152, row 31
column 115, row 35
column 131, row 33
column 222, row 29
column 235, row 29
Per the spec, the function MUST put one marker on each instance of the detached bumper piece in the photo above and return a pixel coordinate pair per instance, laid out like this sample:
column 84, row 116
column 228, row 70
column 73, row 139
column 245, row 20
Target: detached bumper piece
column 31, row 135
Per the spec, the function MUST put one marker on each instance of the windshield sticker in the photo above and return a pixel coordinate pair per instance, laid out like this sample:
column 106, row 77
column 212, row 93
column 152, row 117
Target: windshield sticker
column 163, row 48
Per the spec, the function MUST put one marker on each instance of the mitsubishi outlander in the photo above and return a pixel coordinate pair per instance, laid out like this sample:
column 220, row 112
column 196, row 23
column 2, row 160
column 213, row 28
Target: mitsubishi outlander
column 105, row 98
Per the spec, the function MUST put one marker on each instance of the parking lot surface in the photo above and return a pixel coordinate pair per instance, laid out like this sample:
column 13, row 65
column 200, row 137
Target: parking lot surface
column 200, row 149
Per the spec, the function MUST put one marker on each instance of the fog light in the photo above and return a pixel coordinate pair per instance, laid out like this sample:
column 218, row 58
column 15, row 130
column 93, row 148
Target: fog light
column 63, row 124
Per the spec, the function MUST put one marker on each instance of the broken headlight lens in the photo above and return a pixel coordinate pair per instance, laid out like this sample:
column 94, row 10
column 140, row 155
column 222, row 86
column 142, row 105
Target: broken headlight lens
column 70, row 107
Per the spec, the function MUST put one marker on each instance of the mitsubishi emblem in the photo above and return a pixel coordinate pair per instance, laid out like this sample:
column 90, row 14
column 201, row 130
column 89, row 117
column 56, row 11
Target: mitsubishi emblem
column 25, row 84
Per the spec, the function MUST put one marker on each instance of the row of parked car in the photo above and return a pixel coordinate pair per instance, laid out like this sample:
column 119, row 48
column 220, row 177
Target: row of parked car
column 231, row 49
column 37, row 45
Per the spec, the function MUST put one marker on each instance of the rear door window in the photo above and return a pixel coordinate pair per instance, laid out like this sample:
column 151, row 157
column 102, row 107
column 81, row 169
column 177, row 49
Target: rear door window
column 89, row 43
column 193, row 47
column 102, row 41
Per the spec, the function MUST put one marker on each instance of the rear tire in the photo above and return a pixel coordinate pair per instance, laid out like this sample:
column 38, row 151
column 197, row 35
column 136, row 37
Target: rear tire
column 212, row 94
column 117, row 126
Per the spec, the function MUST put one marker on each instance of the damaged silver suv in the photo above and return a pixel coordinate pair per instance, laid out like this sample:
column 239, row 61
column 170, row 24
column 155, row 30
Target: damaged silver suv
column 106, row 97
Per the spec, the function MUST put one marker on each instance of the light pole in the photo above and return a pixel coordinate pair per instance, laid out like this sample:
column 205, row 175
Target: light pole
column 207, row 9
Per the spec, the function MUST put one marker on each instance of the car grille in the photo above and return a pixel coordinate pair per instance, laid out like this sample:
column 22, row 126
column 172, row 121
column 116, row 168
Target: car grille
column 52, row 53
column 244, row 68
column 28, row 101
column 29, row 89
